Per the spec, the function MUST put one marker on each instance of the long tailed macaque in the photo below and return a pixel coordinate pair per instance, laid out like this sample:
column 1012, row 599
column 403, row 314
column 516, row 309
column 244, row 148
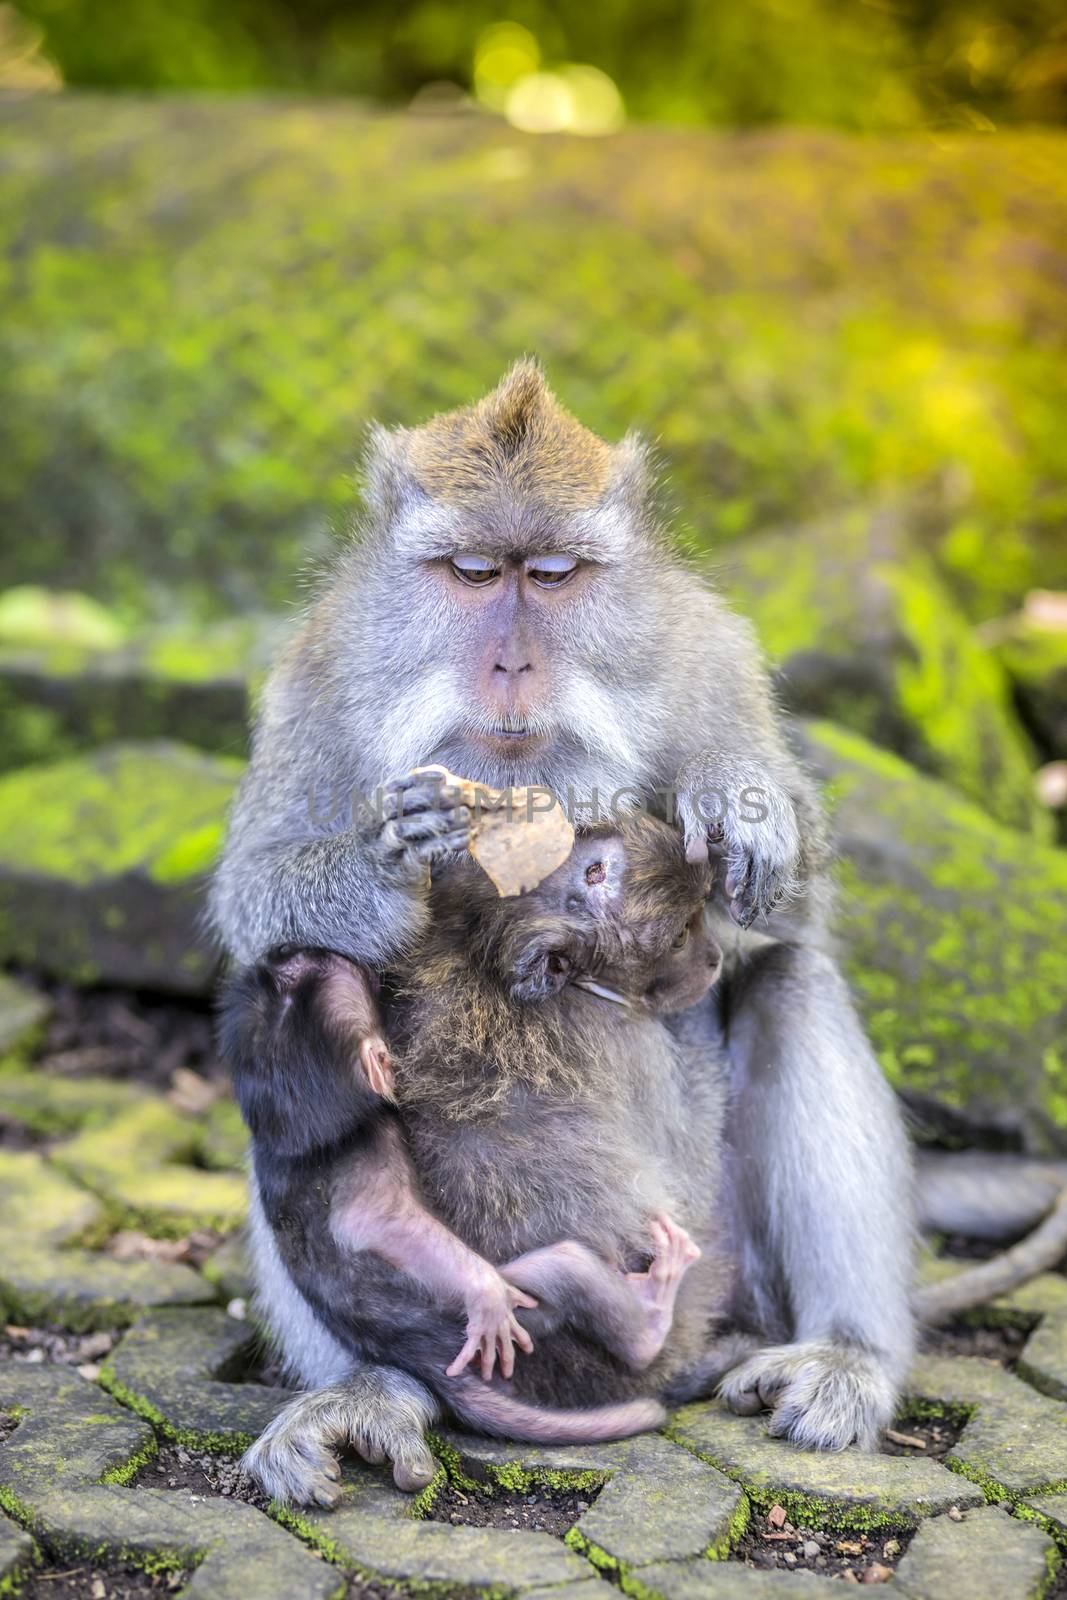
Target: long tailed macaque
column 564, row 1141
column 511, row 609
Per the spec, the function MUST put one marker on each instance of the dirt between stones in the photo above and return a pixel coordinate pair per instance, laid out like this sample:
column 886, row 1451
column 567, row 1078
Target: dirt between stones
column 119, row 1033
column 773, row 1543
column 1003, row 1344
column 199, row 1475
column 66, row 1582
column 538, row 1509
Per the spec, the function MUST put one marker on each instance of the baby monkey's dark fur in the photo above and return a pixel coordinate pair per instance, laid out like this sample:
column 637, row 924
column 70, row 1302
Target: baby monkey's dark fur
column 560, row 1139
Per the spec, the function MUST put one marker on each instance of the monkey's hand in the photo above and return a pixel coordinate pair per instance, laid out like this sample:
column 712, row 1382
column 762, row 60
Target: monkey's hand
column 421, row 822
column 493, row 1330
column 736, row 811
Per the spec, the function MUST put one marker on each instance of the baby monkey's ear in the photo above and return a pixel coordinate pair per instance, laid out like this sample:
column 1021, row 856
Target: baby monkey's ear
column 543, row 968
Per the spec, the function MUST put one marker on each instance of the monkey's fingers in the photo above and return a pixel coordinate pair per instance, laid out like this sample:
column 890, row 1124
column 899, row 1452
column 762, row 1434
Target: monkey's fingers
column 431, row 850
column 488, row 1348
column 518, row 1298
column 521, row 1336
column 411, row 793
column 471, row 1347
column 407, row 830
column 695, row 830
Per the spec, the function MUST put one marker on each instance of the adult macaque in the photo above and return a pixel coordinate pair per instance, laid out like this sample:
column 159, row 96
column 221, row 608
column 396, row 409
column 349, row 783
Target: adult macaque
column 555, row 1122
column 511, row 610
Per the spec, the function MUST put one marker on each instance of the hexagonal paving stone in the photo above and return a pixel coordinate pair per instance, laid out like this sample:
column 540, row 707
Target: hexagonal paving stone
column 707, row 1580
column 1043, row 1363
column 987, row 1556
column 174, row 1367
column 61, row 1473
column 658, row 1502
column 854, row 1489
column 43, row 1276
column 376, row 1529
column 1015, row 1443
column 142, row 1162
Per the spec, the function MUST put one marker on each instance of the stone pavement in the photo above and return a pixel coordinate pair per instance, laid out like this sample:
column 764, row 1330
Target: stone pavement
column 662, row 1516
column 173, row 1367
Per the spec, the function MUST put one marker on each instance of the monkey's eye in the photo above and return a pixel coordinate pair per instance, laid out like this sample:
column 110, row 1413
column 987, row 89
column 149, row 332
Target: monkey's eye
column 474, row 569
column 548, row 572
column 681, row 940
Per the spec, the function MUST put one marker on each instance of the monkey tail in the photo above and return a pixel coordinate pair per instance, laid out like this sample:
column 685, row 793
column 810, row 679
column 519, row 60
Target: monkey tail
column 976, row 1286
column 492, row 1411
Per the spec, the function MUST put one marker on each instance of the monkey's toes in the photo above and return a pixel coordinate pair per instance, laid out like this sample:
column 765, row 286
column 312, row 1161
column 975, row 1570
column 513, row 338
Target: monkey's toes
column 414, row 1472
column 294, row 1471
column 823, row 1396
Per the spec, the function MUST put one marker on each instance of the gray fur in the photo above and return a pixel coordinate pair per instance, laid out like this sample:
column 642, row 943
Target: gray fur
column 647, row 676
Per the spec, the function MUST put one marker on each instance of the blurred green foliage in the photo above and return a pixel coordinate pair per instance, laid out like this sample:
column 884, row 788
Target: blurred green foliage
column 202, row 300
column 878, row 64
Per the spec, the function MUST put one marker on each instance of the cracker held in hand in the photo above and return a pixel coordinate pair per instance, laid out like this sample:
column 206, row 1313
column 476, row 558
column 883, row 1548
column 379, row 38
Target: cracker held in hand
column 516, row 836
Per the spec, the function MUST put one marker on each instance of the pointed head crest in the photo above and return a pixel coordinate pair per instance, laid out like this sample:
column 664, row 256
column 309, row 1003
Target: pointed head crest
column 519, row 439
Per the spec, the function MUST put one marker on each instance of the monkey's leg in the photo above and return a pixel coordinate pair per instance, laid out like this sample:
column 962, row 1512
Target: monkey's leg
column 657, row 1289
column 379, row 1411
column 823, row 1195
column 630, row 1314
column 382, row 1412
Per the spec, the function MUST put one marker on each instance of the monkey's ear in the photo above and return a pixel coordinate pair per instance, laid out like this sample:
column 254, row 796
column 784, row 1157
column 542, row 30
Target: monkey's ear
column 630, row 474
column 390, row 487
column 544, row 968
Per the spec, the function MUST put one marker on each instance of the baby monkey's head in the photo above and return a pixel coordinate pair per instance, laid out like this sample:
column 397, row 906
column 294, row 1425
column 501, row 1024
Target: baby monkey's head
column 622, row 918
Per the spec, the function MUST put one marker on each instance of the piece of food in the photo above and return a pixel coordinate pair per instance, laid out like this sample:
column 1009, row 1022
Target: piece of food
column 518, row 837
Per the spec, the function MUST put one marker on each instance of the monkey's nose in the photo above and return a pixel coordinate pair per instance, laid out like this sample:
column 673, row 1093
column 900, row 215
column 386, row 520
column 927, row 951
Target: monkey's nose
column 511, row 670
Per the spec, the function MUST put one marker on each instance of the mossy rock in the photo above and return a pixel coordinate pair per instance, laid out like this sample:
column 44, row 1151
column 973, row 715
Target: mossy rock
column 1035, row 659
column 102, row 864
column 62, row 690
column 203, row 299
column 23, row 1012
column 862, row 631
column 953, row 931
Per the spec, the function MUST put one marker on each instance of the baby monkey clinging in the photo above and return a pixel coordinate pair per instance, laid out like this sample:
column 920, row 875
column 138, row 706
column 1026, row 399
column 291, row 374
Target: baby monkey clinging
column 548, row 1168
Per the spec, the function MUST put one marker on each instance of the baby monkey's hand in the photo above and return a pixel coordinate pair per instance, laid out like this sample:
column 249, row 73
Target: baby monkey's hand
column 493, row 1330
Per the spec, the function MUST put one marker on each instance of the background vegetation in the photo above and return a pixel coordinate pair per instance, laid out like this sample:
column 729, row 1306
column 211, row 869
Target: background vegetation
column 816, row 249
column 871, row 64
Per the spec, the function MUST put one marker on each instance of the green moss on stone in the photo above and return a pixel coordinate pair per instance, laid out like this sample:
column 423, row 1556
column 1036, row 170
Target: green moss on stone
column 953, row 931
column 125, row 810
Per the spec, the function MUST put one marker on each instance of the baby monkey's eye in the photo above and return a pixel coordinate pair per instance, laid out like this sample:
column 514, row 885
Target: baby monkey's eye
column 681, row 939
column 550, row 571
column 474, row 569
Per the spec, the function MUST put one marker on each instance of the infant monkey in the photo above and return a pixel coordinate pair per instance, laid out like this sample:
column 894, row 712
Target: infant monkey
column 316, row 1084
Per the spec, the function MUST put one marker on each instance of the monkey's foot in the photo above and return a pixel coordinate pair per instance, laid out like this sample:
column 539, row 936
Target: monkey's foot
column 657, row 1289
column 383, row 1414
column 823, row 1396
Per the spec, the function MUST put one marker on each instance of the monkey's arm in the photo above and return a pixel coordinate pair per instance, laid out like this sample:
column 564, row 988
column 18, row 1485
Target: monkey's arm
column 739, row 788
column 311, row 858
column 377, row 1207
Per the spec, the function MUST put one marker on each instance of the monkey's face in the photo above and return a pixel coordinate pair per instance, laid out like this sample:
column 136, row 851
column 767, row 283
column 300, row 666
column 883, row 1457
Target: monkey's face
column 505, row 610
column 623, row 919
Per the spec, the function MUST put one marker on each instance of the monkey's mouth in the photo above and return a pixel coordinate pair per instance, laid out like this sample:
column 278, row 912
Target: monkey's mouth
column 512, row 735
